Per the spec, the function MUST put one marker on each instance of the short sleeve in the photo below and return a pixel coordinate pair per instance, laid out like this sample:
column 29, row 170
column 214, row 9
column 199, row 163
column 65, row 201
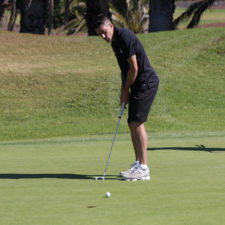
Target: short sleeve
column 127, row 44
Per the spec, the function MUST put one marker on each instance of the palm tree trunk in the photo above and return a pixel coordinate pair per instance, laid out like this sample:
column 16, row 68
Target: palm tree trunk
column 3, row 5
column 32, row 16
column 66, row 15
column 94, row 8
column 50, row 16
column 2, row 10
column 161, row 15
column 12, row 16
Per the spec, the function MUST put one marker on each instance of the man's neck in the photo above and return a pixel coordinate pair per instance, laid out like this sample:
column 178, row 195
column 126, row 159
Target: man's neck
column 113, row 38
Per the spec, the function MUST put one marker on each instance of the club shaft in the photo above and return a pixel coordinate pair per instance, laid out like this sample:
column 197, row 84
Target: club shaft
column 114, row 136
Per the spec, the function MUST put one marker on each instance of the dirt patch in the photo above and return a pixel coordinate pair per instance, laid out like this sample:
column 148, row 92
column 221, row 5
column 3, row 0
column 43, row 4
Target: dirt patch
column 185, row 4
column 218, row 5
column 211, row 25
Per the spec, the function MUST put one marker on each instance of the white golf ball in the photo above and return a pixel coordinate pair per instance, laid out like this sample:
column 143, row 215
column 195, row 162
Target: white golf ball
column 107, row 195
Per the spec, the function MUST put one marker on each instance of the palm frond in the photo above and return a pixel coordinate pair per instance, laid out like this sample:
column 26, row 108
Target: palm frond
column 81, row 26
column 198, row 13
column 134, row 18
column 75, row 26
column 72, row 23
column 77, row 2
column 118, row 19
column 78, row 9
column 195, row 11
column 187, row 14
column 133, row 5
column 118, row 5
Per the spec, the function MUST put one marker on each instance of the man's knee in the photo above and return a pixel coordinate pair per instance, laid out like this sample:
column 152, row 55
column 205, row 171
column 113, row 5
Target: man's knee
column 133, row 125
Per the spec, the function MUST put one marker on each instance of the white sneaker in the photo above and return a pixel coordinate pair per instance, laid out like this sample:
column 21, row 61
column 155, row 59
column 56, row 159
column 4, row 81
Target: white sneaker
column 132, row 167
column 137, row 174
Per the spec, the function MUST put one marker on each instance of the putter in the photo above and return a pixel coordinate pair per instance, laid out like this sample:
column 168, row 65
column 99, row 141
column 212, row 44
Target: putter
column 114, row 137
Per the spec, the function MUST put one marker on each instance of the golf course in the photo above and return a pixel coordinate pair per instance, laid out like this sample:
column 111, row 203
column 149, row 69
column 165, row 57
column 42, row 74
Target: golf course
column 59, row 103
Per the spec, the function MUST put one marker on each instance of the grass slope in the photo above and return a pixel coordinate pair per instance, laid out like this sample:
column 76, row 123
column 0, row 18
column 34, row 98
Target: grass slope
column 68, row 86
column 49, row 182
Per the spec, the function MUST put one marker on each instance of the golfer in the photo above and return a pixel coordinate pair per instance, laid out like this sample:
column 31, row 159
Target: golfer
column 139, row 87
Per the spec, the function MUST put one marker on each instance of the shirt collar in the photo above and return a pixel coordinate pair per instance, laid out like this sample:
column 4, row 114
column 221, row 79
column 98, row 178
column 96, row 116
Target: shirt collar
column 116, row 30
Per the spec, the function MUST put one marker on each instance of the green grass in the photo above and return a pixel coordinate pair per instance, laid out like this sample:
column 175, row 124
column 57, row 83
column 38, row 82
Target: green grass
column 49, row 182
column 210, row 16
column 69, row 86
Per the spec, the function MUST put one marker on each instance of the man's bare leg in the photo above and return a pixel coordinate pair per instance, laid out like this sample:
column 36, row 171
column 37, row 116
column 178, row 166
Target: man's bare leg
column 139, row 139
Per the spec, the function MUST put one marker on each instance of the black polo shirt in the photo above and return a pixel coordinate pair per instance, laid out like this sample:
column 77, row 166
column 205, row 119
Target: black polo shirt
column 125, row 44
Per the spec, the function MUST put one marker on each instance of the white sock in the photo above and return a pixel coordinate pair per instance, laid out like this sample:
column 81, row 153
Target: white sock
column 137, row 162
column 143, row 166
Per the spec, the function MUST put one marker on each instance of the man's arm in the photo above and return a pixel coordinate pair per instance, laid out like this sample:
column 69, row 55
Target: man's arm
column 131, row 77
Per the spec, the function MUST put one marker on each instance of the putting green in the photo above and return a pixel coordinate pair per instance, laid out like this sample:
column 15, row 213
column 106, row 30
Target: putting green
column 50, row 182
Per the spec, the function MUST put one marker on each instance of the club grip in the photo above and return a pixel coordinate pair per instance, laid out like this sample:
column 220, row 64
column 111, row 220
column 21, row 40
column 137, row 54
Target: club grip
column 121, row 109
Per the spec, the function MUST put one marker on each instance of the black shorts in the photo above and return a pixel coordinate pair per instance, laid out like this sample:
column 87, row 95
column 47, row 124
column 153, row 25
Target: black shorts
column 140, row 101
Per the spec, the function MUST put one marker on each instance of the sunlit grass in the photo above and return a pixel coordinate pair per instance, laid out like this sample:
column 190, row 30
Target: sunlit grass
column 69, row 86
column 52, row 181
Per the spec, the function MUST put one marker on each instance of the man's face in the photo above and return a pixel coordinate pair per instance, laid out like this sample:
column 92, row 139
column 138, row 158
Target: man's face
column 105, row 32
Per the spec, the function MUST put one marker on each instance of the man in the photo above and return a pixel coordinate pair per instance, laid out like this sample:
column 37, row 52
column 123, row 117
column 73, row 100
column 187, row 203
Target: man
column 139, row 87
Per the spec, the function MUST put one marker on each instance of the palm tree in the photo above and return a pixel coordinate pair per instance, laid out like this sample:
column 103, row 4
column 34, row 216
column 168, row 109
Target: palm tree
column 14, row 13
column 132, row 14
column 50, row 14
column 2, row 9
column 67, row 12
column 195, row 11
column 78, row 9
column 3, row 6
column 32, row 15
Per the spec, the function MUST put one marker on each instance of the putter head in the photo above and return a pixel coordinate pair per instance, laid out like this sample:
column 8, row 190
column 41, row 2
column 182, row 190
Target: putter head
column 99, row 178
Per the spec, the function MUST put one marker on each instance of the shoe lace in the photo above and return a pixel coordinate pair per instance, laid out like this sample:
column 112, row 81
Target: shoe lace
column 134, row 169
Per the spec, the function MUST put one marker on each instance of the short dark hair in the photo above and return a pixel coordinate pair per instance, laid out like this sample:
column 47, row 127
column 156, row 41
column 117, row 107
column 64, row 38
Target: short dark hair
column 100, row 20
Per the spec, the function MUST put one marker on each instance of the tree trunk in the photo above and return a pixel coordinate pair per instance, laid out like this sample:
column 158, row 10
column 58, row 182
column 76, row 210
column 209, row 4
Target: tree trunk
column 67, row 11
column 32, row 16
column 3, row 4
column 13, row 16
column 94, row 8
column 2, row 10
column 50, row 16
column 161, row 15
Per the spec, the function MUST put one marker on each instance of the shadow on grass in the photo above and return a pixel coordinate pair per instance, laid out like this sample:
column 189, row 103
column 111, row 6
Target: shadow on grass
column 197, row 148
column 56, row 176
